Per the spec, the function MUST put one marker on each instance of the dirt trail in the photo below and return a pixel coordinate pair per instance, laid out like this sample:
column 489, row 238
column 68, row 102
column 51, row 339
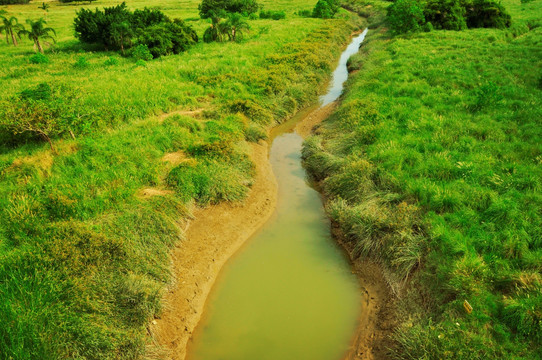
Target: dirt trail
column 214, row 235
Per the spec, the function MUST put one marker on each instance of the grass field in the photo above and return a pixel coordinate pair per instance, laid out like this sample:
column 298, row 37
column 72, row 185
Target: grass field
column 439, row 178
column 83, row 246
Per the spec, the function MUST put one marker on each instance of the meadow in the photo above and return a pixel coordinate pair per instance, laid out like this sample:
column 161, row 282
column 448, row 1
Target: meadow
column 85, row 231
column 432, row 167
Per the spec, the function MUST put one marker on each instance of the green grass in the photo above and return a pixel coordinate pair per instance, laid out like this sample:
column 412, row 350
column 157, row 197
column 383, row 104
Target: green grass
column 439, row 178
column 84, row 255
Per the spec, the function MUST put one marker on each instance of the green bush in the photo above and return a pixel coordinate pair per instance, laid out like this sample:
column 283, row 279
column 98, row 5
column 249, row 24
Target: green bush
column 445, row 14
column 167, row 38
column 111, row 61
column 208, row 182
column 486, row 14
column 12, row 2
column 405, row 16
column 325, row 9
column 141, row 53
column 41, row 92
column 38, row 58
column 304, row 13
column 118, row 28
column 275, row 15
column 82, row 62
column 210, row 8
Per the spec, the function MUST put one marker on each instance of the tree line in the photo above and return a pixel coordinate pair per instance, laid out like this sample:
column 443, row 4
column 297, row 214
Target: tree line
column 406, row 16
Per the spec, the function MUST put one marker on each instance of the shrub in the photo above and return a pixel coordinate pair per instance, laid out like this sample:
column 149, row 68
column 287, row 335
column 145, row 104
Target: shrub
column 38, row 58
column 167, row 38
column 111, row 61
column 141, row 53
column 445, row 14
column 118, row 28
column 208, row 182
column 486, row 14
column 210, row 8
column 41, row 92
column 405, row 16
column 485, row 96
column 82, row 62
column 304, row 13
column 12, row 2
column 325, row 9
column 275, row 15
column 141, row 63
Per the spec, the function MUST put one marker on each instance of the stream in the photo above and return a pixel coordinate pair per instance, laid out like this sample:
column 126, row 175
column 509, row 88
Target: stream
column 290, row 292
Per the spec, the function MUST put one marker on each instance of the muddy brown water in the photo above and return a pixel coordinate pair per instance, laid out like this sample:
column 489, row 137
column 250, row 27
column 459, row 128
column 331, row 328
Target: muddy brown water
column 290, row 292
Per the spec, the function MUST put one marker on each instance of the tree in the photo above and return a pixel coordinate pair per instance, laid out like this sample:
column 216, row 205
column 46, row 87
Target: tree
column 45, row 7
column 10, row 2
column 210, row 8
column 487, row 14
column 12, row 28
column 212, row 32
column 38, row 33
column 235, row 25
column 118, row 28
column 405, row 16
column 325, row 9
column 445, row 14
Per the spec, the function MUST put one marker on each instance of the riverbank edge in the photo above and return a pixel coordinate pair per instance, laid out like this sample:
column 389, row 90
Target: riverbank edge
column 199, row 259
column 372, row 337
column 377, row 320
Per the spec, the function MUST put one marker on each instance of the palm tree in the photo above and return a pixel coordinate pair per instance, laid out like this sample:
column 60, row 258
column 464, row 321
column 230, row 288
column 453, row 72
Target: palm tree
column 237, row 24
column 45, row 7
column 38, row 33
column 212, row 33
column 11, row 27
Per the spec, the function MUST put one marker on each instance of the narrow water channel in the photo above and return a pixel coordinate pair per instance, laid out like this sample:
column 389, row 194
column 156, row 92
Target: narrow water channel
column 289, row 293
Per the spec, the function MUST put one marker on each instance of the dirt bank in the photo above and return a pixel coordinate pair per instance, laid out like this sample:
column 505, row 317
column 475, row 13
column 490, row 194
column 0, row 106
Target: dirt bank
column 377, row 320
column 214, row 235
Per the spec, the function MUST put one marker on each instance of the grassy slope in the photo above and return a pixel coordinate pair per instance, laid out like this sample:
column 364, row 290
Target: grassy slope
column 439, row 178
column 83, row 257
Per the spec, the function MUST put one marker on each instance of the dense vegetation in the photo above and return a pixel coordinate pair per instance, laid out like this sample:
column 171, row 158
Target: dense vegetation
column 9, row 2
column 414, row 15
column 325, row 9
column 85, row 230
column 210, row 8
column 119, row 28
column 432, row 166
